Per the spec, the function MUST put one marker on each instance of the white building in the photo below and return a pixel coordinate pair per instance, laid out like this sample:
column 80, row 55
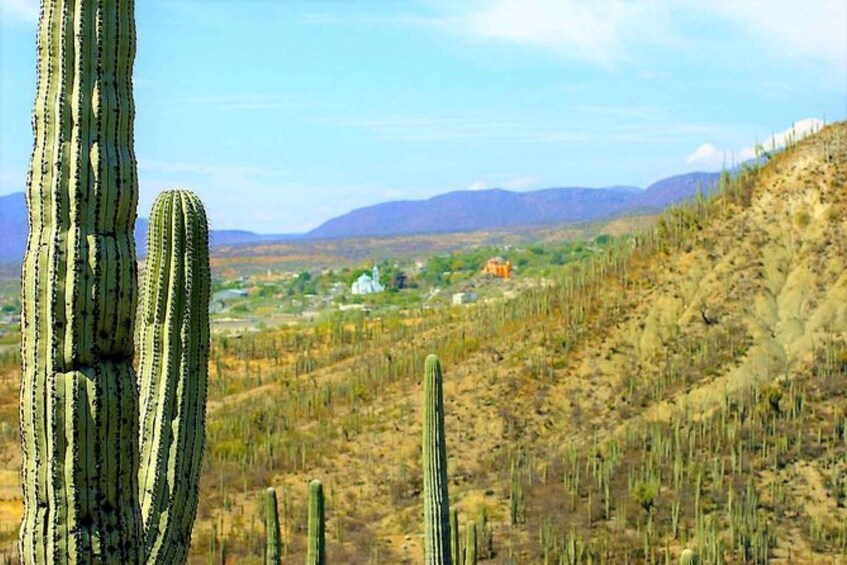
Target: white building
column 367, row 284
column 464, row 298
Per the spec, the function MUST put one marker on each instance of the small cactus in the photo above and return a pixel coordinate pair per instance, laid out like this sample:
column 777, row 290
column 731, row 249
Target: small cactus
column 273, row 539
column 436, row 500
column 470, row 544
column 455, row 541
column 688, row 557
column 316, row 552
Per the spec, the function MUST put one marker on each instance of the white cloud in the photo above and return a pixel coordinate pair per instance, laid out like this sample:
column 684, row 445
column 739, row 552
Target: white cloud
column 709, row 156
column 606, row 32
column 809, row 29
column 798, row 130
column 597, row 32
column 223, row 188
column 513, row 183
column 22, row 10
column 519, row 183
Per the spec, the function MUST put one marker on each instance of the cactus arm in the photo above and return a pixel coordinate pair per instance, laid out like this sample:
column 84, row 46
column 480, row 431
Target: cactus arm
column 173, row 373
column 316, row 552
column 78, row 392
column 436, row 501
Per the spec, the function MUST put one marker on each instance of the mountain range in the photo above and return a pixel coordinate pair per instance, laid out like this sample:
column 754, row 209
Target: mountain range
column 459, row 211
column 471, row 210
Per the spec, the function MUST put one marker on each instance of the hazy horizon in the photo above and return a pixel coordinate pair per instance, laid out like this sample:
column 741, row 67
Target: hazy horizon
column 283, row 115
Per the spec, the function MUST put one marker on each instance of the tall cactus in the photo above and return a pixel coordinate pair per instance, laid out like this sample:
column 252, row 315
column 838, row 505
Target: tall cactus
column 316, row 551
column 436, row 501
column 87, row 495
column 273, row 539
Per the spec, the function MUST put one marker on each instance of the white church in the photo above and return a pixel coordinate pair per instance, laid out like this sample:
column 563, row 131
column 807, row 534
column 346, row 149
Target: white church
column 367, row 284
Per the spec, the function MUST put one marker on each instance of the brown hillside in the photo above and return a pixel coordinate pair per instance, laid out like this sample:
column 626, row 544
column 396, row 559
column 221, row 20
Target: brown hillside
column 687, row 389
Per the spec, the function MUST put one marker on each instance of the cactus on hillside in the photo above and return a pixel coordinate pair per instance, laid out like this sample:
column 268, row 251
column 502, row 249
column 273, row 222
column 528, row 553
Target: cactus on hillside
column 103, row 482
column 455, row 541
column 436, row 501
column 470, row 545
column 273, row 539
column 688, row 557
column 316, row 552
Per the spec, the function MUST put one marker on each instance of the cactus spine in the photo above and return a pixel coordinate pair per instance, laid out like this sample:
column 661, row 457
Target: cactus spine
column 273, row 541
column 316, row 552
column 436, row 501
column 87, row 495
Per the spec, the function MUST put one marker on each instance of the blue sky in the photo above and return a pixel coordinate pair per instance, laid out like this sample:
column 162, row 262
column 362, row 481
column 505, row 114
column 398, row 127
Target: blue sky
column 282, row 114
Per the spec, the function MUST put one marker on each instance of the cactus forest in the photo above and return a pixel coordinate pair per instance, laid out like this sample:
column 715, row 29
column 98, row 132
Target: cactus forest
column 673, row 392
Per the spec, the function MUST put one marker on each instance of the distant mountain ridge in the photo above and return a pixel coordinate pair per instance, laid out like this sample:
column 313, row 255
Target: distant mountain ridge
column 13, row 227
column 460, row 211
column 13, row 231
column 471, row 210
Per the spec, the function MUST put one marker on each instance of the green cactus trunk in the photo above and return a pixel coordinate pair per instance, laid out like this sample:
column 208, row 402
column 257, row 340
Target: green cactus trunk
column 273, row 539
column 79, row 403
column 470, row 545
column 79, row 407
column 316, row 552
column 436, row 500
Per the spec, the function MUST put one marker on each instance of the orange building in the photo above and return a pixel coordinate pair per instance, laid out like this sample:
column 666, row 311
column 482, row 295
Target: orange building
column 497, row 267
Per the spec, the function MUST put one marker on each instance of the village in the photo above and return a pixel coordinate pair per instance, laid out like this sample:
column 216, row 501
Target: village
column 276, row 298
column 281, row 297
column 291, row 298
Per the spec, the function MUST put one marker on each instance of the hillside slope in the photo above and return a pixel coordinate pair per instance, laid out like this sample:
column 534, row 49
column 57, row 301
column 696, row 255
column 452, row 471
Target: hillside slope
column 688, row 389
